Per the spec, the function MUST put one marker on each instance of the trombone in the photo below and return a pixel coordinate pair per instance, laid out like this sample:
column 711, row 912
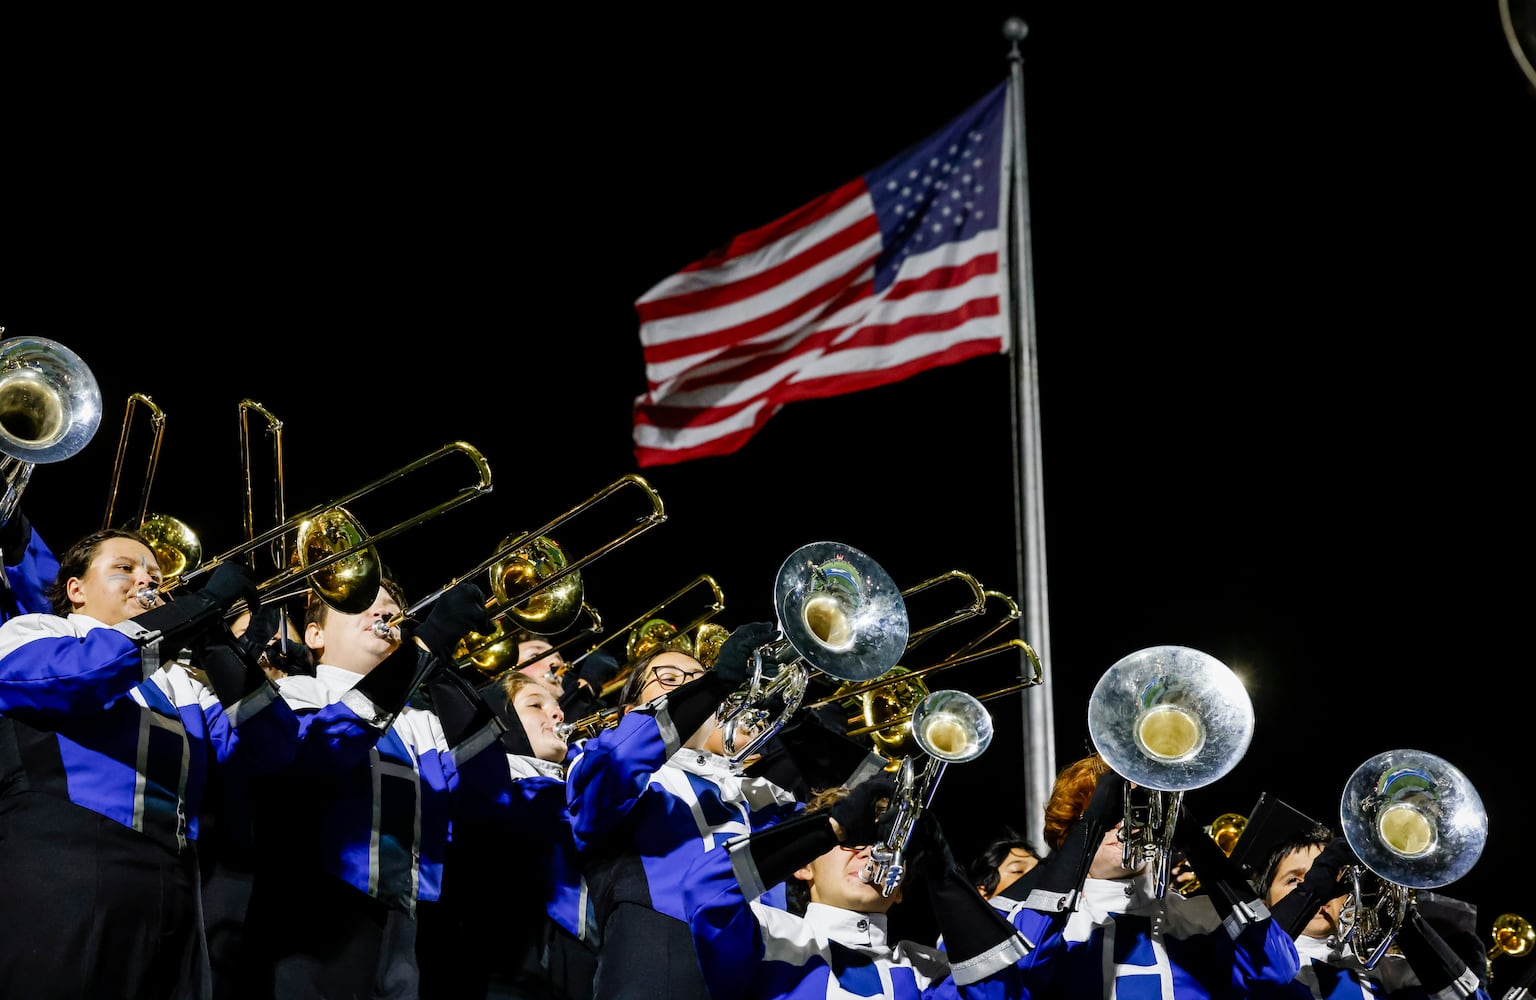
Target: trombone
column 868, row 693
column 50, row 407
column 645, row 632
column 900, row 688
column 327, row 533
column 492, row 653
column 517, row 543
column 649, row 629
column 174, row 543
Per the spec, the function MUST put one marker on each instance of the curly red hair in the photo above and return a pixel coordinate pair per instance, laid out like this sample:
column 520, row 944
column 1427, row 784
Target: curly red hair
column 1070, row 795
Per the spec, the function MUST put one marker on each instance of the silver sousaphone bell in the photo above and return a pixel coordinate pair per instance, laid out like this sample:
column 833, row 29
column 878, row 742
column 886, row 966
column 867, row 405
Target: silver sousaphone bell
column 839, row 613
column 1166, row 719
column 1415, row 822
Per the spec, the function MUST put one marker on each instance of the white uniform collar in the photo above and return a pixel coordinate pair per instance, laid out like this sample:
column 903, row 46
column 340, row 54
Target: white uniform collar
column 857, row 930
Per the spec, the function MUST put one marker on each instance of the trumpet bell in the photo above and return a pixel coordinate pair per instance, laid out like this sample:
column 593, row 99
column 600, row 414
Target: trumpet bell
column 1413, row 819
column 350, row 584
column 841, row 611
column 952, row 726
column 550, row 610
column 1170, row 718
column 176, row 546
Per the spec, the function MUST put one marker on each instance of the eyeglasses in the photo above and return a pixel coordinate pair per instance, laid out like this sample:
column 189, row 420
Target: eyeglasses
column 671, row 677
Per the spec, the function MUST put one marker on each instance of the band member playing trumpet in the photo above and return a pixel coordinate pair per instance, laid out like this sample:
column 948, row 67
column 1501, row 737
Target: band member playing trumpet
column 110, row 741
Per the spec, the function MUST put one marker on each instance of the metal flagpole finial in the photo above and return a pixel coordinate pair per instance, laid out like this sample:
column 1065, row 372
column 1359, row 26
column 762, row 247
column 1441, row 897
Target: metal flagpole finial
column 1014, row 29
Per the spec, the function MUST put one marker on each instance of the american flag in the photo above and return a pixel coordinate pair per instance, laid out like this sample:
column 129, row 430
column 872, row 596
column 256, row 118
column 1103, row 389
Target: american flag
column 893, row 273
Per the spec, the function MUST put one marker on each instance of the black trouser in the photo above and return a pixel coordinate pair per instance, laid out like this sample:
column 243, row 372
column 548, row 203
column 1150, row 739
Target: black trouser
column 646, row 954
column 92, row 908
column 324, row 938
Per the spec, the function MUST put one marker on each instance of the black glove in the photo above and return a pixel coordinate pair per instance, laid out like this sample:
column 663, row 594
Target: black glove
column 734, row 663
column 779, row 850
column 1297, row 909
column 230, row 582
column 811, row 752
column 598, row 668
column 860, row 813
column 191, row 618
column 1055, row 884
column 231, row 671
column 15, row 535
column 453, row 616
column 1221, row 877
column 390, row 685
column 970, row 925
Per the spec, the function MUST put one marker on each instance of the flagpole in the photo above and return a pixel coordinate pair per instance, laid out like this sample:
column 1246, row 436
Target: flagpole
column 1029, row 524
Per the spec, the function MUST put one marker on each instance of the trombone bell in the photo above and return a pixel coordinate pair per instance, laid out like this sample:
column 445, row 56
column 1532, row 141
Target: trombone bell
column 549, row 610
column 175, row 545
column 350, row 584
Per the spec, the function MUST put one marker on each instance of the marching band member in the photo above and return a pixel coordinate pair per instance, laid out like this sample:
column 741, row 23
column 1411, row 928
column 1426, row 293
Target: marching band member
column 525, row 936
column 1299, row 877
column 353, row 833
column 646, row 797
column 834, row 943
column 106, row 747
column 1105, row 933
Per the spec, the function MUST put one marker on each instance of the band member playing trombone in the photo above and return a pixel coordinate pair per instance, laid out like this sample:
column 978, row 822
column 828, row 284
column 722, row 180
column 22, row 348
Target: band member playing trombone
column 107, row 744
column 354, row 832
